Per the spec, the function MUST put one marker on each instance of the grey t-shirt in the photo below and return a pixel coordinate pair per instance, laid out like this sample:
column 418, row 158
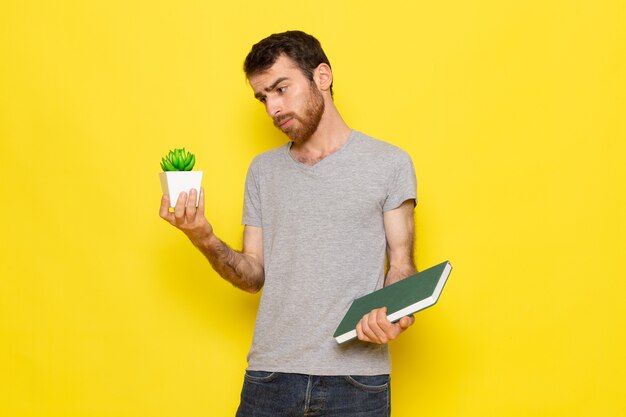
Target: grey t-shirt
column 324, row 245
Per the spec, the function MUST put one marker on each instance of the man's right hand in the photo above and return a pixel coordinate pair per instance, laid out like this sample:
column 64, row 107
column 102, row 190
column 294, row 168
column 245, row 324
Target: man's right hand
column 186, row 216
column 243, row 269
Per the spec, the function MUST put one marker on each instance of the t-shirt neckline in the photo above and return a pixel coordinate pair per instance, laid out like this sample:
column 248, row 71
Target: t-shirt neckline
column 324, row 161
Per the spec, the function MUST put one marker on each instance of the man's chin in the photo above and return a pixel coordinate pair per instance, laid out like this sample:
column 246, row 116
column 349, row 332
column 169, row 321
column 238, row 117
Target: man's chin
column 293, row 135
column 298, row 134
column 297, row 137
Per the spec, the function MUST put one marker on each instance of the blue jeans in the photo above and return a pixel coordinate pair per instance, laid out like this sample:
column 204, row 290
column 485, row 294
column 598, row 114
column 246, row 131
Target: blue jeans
column 275, row 394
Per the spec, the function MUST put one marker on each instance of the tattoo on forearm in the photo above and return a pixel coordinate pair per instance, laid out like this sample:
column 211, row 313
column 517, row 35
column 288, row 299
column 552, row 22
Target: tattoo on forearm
column 235, row 267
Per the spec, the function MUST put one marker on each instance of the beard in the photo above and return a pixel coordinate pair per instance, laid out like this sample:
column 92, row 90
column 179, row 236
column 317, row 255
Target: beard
column 303, row 126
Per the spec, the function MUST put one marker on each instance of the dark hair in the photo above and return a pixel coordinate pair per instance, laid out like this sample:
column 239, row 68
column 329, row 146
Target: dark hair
column 303, row 49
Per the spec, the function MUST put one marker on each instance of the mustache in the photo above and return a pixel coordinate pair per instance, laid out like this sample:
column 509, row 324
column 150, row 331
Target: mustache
column 279, row 119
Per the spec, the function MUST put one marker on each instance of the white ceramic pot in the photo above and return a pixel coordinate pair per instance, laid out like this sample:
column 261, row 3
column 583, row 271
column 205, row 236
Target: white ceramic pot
column 175, row 182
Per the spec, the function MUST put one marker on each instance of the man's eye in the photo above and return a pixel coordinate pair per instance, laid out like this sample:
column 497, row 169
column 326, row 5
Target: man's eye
column 282, row 89
column 262, row 100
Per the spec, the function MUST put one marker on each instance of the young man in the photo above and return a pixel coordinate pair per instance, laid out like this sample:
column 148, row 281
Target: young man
column 322, row 214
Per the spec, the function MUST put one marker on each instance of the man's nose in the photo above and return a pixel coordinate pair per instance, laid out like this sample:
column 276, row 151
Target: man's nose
column 273, row 107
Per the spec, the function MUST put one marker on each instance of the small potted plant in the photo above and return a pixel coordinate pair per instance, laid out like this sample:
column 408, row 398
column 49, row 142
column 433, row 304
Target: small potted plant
column 177, row 176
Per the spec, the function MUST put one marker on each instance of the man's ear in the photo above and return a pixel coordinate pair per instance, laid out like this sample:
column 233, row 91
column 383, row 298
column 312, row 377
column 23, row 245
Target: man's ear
column 323, row 77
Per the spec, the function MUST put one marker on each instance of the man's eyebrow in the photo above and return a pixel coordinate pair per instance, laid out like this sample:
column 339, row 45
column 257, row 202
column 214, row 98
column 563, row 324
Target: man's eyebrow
column 271, row 87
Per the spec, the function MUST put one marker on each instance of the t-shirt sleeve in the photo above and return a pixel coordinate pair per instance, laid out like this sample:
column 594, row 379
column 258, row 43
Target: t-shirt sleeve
column 252, row 199
column 402, row 185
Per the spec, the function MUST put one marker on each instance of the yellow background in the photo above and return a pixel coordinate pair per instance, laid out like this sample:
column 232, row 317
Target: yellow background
column 513, row 113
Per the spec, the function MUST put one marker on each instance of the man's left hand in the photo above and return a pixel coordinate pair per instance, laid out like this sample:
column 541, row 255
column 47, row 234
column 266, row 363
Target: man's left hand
column 374, row 327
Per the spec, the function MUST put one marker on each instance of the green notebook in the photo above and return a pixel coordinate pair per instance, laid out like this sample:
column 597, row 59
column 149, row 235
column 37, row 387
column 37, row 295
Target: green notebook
column 405, row 297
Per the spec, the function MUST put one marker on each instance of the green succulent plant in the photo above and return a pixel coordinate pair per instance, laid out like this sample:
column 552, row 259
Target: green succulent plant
column 178, row 160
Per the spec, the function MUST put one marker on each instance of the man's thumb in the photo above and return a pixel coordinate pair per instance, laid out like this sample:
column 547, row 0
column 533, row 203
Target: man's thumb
column 407, row 321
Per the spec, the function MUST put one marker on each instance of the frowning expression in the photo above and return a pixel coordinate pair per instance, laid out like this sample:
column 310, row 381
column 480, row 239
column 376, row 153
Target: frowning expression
column 294, row 102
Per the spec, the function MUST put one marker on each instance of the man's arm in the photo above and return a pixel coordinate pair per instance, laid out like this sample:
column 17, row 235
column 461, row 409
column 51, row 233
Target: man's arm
column 399, row 230
column 243, row 269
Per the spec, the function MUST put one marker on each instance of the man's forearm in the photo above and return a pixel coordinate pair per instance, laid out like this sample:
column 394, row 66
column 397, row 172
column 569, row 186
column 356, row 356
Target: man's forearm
column 399, row 230
column 241, row 270
column 396, row 274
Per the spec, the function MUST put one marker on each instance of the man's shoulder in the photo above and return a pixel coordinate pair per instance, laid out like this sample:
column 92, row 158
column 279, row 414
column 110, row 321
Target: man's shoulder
column 270, row 157
column 380, row 149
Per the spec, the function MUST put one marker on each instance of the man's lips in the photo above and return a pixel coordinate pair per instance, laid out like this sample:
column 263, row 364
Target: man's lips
column 282, row 121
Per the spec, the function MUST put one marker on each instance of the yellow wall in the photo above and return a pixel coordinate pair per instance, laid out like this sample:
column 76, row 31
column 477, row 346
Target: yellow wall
column 512, row 111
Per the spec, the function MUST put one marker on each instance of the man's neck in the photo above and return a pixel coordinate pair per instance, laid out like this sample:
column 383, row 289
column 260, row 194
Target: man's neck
column 331, row 134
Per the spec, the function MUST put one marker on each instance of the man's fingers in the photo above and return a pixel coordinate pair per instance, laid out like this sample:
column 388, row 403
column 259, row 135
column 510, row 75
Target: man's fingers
column 164, row 210
column 369, row 335
column 190, row 212
column 179, row 208
column 371, row 326
column 406, row 322
column 359, row 331
column 201, row 202
column 381, row 325
column 376, row 328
